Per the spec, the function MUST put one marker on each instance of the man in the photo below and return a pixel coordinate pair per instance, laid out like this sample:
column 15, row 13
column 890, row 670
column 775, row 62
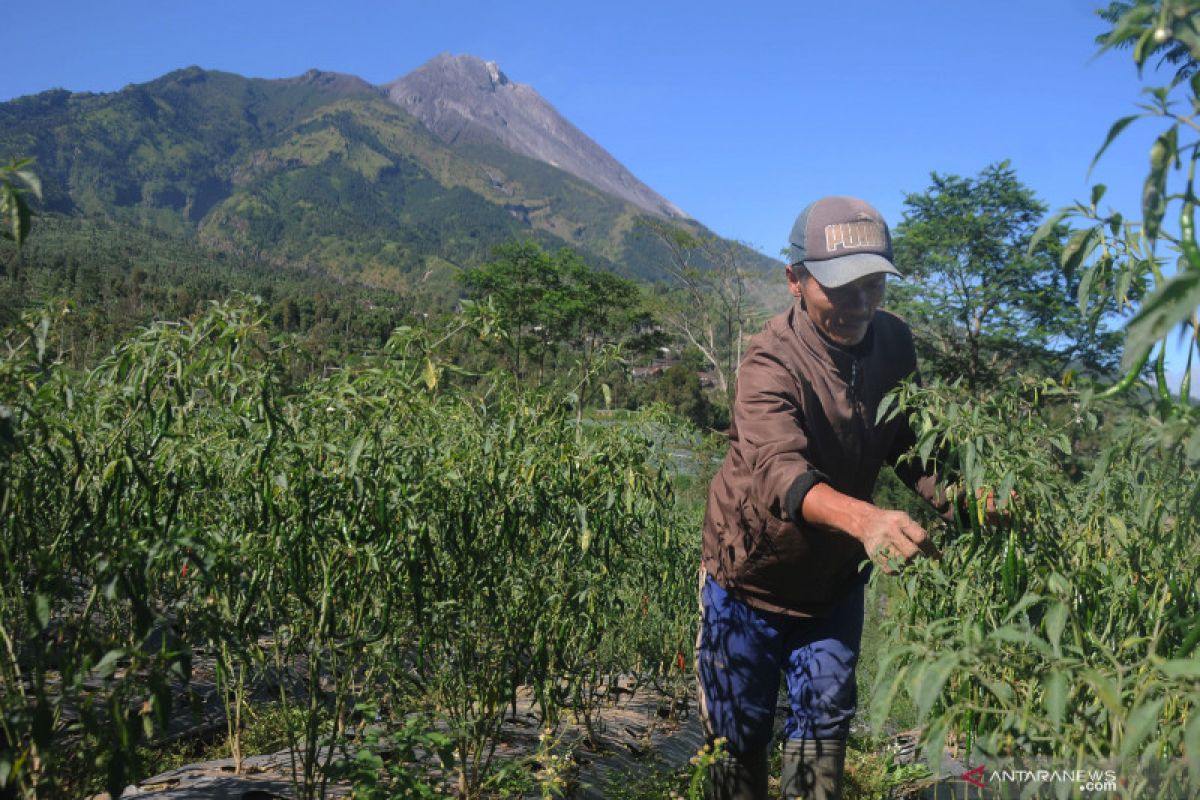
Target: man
column 789, row 520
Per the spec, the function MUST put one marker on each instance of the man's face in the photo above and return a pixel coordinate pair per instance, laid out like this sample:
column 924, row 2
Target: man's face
column 842, row 314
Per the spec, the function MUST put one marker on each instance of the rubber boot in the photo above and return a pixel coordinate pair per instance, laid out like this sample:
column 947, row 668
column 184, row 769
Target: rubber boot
column 812, row 769
column 734, row 777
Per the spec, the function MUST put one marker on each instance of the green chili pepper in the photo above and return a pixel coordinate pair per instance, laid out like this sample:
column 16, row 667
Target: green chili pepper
column 1187, row 234
column 1160, row 374
column 1128, row 381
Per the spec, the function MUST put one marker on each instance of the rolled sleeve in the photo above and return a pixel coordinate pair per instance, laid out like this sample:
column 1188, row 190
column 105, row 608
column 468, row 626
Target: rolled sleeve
column 794, row 500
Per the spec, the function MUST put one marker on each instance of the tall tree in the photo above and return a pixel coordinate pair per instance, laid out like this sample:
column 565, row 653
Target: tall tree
column 709, row 305
column 981, row 302
column 549, row 301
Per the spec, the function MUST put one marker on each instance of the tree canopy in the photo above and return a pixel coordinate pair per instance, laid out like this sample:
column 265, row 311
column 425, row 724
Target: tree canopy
column 981, row 301
column 550, row 300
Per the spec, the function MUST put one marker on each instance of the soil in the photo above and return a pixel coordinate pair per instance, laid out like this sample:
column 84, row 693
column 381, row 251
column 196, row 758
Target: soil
column 644, row 729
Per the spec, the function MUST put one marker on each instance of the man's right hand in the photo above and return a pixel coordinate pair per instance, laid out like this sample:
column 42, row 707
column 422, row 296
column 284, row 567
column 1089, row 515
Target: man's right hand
column 891, row 538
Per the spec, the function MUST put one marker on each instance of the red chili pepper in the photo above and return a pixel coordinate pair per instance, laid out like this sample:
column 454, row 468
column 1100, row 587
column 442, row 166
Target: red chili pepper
column 679, row 659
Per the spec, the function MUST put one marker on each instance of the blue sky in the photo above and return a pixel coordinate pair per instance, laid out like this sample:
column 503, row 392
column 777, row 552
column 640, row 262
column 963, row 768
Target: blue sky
column 738, row 113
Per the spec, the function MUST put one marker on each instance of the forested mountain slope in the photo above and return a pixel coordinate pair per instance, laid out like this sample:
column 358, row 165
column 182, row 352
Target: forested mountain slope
column 324, row 172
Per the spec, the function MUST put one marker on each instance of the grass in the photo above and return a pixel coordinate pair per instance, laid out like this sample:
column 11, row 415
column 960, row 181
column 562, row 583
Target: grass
column 264, row 732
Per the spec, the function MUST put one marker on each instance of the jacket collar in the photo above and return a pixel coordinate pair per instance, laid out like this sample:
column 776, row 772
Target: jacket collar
column 811, row 339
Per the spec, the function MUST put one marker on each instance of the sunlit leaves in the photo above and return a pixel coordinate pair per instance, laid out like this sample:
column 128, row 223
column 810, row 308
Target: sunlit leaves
column 373, row 524
column 1126, row 269
column 1161, row 313
column 1113, row 132
column 1075, row 615
column 1056, row 621
column 985, row 293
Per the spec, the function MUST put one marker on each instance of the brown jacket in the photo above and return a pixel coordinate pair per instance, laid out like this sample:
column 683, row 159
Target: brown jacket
column 805, row 413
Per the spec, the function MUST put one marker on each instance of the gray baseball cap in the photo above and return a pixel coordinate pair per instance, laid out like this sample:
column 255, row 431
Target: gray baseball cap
column 841, row 239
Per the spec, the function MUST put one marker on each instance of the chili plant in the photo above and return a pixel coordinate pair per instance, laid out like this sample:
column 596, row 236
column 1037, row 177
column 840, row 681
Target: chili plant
column 378, row 535
column 1069, row 631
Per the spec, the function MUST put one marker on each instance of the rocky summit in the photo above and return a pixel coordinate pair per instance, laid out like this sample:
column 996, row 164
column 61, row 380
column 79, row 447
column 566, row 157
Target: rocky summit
column 465, row 100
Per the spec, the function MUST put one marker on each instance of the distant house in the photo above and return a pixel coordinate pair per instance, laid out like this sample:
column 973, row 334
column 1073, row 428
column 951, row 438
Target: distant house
column 645, row 373
column 657, row 367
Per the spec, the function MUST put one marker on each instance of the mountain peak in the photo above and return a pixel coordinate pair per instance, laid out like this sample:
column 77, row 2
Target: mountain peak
column 465, row 100
column 465, row 69
column 498, row 77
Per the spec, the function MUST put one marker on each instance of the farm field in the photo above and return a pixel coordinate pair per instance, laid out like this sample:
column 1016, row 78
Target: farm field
column 373, row 537
column 422, row 552
column 386, row 550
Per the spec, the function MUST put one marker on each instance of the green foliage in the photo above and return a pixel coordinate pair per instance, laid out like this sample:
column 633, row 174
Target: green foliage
column 357, row 207
column 388, row 764
column 1064, row 633
column 112, row 279
column 872, row 772
column 375, row 532
column 1069, row 632
column 1120, row 260
column 318, row 171
column 982, row 301
column 707, row 300
column 546, row 300
column 17, row 180
column 556, row 307
column 693, row 359
column 679, row 389
column 1151, row 28
column 108, row 279
column 688, row 781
